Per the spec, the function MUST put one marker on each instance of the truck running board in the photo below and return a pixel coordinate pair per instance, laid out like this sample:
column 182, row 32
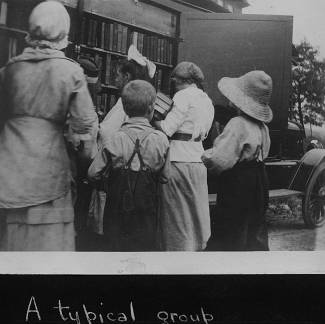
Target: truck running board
column 273, row 194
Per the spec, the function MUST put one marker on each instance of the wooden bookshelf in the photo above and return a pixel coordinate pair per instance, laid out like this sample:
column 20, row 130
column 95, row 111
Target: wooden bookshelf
column 99, row 31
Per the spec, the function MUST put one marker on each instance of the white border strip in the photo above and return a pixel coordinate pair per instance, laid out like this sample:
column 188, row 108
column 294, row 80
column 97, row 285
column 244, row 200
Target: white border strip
column 99, row 263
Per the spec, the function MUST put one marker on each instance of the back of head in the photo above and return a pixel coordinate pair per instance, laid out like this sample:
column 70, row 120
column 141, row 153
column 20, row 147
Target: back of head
column 90, row 69
column 49, row 25
column 138, row 98
column 135, row 70
column 188, row 72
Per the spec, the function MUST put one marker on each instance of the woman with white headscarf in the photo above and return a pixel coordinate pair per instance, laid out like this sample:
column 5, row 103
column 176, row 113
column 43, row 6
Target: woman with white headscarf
column 41, row 92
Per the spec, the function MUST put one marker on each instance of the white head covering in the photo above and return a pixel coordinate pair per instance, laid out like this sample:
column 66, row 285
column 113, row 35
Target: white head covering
column 49, row 25
column 135, row 55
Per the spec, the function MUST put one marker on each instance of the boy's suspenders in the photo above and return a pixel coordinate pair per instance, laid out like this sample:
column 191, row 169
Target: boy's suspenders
column 137, row 140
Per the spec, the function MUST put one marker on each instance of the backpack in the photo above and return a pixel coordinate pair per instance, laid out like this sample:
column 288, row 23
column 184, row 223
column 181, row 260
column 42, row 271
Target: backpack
column 131, row 218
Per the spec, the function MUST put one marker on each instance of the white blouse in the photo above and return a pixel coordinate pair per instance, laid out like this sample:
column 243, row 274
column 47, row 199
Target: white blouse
column 192, row 113
column 241, row 140
column 112, row 121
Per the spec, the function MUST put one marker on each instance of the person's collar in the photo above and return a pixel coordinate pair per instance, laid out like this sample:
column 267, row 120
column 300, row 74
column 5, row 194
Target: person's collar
column 37, row 54
column 189, row 87
column 138, row 120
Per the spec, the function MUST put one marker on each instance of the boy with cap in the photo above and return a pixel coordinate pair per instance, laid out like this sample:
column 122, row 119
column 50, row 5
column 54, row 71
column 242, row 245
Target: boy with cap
column 131, row 160
column 237, row 157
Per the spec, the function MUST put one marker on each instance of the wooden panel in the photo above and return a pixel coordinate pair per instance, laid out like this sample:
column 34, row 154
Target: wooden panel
column 133, row 12
column 70, row 3
column 231, row 45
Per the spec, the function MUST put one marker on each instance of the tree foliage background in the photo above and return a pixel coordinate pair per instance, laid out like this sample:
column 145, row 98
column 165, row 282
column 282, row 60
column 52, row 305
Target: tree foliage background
column 308, row 85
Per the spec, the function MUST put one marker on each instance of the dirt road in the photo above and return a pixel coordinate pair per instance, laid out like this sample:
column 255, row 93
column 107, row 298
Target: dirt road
column 287, row 231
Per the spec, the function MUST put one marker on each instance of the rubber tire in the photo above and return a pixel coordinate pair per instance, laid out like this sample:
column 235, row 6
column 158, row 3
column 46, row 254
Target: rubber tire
column 314, row 183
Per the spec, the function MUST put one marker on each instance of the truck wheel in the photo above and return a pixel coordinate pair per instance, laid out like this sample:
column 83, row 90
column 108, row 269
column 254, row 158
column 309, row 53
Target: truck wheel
column 314, row 201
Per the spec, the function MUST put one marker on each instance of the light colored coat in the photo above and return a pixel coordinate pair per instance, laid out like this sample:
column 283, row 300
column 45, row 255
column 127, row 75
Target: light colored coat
column 41, row 91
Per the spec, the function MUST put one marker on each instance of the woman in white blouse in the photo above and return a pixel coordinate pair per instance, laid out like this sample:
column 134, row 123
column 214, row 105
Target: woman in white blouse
column 184, row 207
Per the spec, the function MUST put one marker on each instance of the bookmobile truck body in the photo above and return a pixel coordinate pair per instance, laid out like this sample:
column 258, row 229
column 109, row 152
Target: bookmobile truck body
column 222, row 44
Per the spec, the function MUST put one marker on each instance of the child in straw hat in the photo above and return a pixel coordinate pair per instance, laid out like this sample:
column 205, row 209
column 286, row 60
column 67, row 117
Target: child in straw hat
column 237, row 157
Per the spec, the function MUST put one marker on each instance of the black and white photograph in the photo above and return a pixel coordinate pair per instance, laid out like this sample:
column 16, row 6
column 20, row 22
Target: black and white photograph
column 138, row 126
column 160, row 137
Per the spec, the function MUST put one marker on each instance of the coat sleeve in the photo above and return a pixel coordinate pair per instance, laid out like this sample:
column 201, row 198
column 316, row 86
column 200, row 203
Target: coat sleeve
column 227, row 148
column 82, row 118
column 112, row 122
column 100, row 166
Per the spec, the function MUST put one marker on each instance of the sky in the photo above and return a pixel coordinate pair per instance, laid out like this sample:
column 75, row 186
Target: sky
column 308, row 18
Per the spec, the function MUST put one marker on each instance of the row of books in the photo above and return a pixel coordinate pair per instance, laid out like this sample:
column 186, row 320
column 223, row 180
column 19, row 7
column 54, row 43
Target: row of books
column 115, row 37
column 104, row 102
column 101, row 34
column 107, row 65
column 156, row 48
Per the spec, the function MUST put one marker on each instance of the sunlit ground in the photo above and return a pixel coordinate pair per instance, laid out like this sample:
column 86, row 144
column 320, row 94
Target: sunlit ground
column 287, row 231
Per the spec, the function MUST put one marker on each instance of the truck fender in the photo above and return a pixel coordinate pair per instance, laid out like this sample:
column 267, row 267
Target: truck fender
column 306, row 168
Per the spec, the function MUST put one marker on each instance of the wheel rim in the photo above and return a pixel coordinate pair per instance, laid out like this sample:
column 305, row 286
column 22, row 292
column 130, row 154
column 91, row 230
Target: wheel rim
column 316, row 204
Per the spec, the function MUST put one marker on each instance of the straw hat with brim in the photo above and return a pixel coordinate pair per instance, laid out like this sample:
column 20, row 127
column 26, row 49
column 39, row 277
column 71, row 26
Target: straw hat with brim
column 251, row 93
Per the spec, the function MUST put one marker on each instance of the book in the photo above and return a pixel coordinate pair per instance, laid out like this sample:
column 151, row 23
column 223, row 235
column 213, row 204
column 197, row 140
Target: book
column 94, row 37
column 170, row 52
column 115, row 36
column 159, row 49
column 99, row 61
column 155, row 48
column 145, row 46
column 120, row 38
column 90, row 27
column 113, row 71
column 162, row 106
column 84, row 28
column 124, row 46
column 111, row 36
column 140, row 42
column 107, row 79
column 102, row 35
column 3, row 12
column 159, row 76
column 106, row 35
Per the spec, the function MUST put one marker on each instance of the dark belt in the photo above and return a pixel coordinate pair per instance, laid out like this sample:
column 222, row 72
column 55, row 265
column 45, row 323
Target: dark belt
column 184, row 137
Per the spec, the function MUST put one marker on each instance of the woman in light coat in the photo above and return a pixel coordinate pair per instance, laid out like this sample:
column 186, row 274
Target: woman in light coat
column 41, row 91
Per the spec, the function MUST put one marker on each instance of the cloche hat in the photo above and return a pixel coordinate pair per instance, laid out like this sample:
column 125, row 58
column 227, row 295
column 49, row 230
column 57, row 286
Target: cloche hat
column 251, row 93
column 49, row 25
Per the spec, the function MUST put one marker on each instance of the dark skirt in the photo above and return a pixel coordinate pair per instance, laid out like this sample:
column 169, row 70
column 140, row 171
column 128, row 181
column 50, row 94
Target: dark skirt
column 238, row 222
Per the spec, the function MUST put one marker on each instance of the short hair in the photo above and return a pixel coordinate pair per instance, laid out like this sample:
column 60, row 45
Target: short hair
column 136, row 71
column 138, row 97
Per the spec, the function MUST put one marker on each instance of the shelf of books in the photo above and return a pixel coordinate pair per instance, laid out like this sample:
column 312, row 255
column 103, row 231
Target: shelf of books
column 102, row 39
